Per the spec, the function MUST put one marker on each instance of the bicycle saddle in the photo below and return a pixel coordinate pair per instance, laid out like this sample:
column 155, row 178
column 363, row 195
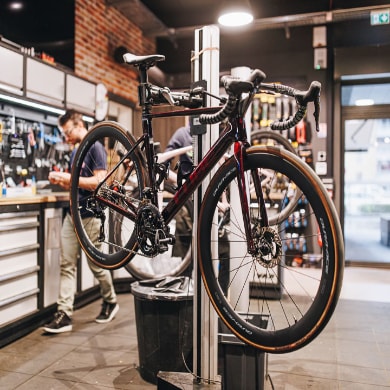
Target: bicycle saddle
column 149, row 60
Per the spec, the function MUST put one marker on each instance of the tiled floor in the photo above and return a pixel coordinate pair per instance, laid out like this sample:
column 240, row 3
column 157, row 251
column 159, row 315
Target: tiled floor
column 352, row 353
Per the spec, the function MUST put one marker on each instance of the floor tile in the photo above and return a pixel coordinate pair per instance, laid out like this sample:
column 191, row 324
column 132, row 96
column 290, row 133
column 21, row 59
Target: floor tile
column 352, row 352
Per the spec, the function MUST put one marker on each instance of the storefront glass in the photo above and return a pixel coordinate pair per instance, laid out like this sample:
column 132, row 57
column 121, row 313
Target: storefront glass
column 366, row 177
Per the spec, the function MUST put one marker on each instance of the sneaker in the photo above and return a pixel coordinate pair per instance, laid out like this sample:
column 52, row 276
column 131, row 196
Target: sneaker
column 61, row 323
column 107, row 313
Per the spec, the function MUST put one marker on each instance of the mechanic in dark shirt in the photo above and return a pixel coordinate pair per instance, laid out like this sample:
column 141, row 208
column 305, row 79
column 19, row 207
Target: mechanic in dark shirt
column 74, row 130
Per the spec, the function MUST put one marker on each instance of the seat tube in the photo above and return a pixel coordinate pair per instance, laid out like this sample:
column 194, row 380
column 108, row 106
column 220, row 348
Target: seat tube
column 239, row 152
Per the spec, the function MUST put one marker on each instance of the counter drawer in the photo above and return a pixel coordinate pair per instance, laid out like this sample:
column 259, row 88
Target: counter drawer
column 18, row 259
column 26, row 304
column 16, row 283
column 18, row 229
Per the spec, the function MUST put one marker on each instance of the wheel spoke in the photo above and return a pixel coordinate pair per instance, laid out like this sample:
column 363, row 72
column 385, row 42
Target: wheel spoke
column 274, row 282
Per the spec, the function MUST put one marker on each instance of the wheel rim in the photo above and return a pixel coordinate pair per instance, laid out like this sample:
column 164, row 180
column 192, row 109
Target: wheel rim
column 106, row 251
column 295, row 317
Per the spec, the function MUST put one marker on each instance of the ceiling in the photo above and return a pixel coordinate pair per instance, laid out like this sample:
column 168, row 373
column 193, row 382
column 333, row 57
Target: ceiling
column 279, row 25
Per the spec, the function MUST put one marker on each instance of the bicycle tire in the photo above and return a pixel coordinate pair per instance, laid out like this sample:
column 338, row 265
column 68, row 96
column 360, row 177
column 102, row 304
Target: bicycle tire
column 178, row 260
column 108, row 251
column 292, row 304
column 259, row 135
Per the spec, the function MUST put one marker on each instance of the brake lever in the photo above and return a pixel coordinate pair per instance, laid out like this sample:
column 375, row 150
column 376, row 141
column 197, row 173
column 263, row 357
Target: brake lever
column 317, row 112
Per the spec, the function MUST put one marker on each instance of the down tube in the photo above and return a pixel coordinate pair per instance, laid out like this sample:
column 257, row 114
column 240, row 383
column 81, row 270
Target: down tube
column 209, row 161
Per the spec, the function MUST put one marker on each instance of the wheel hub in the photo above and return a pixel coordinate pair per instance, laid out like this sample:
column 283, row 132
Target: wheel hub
column 268, row 246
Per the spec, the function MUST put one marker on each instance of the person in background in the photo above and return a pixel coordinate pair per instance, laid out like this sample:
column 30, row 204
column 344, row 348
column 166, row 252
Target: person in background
column 74, row 131
column 182, row 137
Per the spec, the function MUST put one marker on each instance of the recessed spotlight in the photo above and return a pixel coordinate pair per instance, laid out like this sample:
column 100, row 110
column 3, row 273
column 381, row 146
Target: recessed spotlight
column 16, row 5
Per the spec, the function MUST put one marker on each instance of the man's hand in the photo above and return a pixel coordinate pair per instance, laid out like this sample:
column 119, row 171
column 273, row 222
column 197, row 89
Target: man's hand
column 60, row 178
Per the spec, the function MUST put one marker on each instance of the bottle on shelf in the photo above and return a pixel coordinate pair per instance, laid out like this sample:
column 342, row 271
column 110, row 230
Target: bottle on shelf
column 33, row 185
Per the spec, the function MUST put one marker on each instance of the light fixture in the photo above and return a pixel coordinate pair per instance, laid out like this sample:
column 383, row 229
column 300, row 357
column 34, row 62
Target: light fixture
column 16, row 5
column 39, row 106
column 235, row 13
column 31, row 104
column 364, row 102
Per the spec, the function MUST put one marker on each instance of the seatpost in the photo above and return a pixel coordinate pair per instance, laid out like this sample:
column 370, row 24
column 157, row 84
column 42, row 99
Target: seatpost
column 143, row 88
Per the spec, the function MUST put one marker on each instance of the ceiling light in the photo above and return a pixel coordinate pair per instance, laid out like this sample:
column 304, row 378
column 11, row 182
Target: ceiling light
column 364, row 102
column 16, row 5
column 235, row 14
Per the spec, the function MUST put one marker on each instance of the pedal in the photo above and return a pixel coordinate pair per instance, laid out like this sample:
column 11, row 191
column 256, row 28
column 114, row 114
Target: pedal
column 162, row 240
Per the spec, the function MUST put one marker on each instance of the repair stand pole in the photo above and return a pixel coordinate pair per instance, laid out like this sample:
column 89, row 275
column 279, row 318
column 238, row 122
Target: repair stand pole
column 205, row 67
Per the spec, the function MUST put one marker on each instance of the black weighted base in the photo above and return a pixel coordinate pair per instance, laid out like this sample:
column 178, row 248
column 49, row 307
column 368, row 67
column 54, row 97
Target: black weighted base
column 181, row 381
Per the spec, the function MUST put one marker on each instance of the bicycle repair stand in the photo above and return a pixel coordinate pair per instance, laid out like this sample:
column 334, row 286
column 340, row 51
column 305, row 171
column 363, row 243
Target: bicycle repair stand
column 205, row 71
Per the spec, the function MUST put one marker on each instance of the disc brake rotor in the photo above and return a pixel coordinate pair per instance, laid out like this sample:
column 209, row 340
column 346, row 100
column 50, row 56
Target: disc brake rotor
column 268, row 246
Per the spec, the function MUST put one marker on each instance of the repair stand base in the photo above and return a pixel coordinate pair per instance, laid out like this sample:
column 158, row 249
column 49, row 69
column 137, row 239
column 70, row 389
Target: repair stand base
column 181, row 381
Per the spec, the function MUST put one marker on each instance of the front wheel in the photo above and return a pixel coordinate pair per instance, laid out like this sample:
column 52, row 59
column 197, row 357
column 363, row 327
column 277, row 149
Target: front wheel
column 279, row 297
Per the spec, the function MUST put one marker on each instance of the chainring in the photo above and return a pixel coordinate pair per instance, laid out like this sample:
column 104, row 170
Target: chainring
column 151, row 230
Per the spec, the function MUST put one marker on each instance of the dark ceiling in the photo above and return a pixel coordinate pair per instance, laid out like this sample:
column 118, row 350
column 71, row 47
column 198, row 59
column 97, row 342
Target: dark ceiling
column 280, row 25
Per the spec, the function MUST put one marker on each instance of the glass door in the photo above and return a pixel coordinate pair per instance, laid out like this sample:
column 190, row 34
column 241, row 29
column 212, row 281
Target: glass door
column 367, row 190
column 366, row 181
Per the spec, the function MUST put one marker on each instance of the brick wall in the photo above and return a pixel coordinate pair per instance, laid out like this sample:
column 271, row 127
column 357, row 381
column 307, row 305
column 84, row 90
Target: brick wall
column 99, row 29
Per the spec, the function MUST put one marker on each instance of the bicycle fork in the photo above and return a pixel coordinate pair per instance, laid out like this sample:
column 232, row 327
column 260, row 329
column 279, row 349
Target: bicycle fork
column 243, row 186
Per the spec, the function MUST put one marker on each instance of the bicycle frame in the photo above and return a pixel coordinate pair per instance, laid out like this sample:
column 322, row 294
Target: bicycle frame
column 233, row 134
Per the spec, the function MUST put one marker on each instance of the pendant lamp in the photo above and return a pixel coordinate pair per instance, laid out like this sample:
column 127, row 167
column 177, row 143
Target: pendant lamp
column 235, row 13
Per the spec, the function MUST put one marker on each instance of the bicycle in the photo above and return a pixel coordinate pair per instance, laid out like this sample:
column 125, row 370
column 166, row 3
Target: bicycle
column 179, row 260
column 235, row 207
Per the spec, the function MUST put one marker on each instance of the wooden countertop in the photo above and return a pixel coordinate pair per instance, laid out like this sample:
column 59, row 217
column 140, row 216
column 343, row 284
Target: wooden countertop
column 38, row 198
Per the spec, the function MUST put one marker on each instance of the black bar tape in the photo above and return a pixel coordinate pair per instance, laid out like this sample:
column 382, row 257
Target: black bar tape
column 285, row 90
column 289, row 123
column 224, row 112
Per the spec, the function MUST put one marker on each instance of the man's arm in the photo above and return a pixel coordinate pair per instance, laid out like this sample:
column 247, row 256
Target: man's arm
column 86, row 183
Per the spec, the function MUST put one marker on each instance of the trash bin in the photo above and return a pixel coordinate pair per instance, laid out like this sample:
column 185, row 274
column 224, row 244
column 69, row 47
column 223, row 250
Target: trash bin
column 164, row 323
column 241, row 366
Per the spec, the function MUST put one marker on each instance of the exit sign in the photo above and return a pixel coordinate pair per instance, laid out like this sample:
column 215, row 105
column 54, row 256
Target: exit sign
column 380, row 17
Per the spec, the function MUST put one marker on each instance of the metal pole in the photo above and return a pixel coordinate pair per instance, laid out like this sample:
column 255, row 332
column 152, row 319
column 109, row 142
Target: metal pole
column 205, row 67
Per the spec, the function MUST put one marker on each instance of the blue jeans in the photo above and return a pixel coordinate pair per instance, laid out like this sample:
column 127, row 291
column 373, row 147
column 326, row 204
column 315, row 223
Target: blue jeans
column 70, row 249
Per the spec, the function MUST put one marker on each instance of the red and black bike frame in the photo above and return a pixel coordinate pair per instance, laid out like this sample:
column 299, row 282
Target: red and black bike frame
column 234, row 133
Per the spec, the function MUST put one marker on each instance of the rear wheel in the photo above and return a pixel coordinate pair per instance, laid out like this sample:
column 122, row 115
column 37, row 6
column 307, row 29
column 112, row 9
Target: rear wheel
column 113, row 201
column 292, row 304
